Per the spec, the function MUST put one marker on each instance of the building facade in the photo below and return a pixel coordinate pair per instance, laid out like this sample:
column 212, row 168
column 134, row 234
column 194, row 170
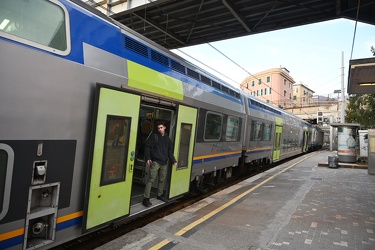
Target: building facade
column 302, row 95
column 274, row 86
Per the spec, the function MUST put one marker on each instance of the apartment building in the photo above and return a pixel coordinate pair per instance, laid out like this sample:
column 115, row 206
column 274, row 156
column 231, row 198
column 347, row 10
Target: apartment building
column 274, row 86
column 302, row 95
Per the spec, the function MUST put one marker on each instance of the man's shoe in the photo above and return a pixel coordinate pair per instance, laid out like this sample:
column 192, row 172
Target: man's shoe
column 162, row 198
column 146, row 202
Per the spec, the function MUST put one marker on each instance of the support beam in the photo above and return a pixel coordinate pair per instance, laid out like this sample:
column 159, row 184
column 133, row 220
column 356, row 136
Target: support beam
column 236, row 14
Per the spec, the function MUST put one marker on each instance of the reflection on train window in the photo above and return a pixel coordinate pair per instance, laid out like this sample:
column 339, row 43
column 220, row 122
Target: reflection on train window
column 257, row 131
column 116, row 146
column 212, row 130
column 3, row 171
column 267, row 132
column 231, row 133
column 184, row 147
column 43, row 23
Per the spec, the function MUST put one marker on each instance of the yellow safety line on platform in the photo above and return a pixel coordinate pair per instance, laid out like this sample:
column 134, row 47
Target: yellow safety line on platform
column 217, row 210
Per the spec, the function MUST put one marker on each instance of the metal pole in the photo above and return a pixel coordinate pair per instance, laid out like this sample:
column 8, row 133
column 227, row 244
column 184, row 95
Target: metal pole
column 342, row 91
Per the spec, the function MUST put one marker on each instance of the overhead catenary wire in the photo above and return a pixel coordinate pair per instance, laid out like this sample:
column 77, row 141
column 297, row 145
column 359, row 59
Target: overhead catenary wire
column 355, row 29
column 291, row 101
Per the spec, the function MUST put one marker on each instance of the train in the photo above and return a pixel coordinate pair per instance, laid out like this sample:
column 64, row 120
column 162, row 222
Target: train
column 79, row 96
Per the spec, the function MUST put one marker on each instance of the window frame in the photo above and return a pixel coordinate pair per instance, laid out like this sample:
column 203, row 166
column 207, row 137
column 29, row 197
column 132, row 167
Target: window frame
column 205, row 126
column 253, row 131
column 227, row 138
column 45, row 47
column 8, row 179
column 267, row 131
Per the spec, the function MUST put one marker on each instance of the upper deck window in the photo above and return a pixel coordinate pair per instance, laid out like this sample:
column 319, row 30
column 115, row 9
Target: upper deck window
column 39, row 23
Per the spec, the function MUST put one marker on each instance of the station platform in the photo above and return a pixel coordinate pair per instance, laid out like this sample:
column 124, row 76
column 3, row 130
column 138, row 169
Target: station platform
column 297, row 205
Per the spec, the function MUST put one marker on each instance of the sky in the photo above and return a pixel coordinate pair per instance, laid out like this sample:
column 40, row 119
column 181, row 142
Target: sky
column 312, row 53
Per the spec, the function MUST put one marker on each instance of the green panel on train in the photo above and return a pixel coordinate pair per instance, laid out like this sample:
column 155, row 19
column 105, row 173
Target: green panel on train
column 150, row 80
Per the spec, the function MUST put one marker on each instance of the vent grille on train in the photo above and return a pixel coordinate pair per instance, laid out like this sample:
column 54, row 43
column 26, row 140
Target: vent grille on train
column 135, row 46
column 178, row 66
column 160, row 58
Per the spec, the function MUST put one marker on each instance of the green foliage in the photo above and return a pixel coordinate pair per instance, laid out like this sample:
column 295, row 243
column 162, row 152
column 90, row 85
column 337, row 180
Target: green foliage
column 373, row 50
column 361, row 109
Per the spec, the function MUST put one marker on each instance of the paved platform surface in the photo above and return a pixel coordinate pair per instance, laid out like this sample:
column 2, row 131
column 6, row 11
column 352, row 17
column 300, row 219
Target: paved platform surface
column 297, row 205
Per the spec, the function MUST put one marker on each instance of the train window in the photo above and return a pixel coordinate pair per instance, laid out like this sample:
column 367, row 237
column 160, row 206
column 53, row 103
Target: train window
column 231, row 133
column 184, row 148
column 216, row 85
column 257, row 131
column 3, row 169
column 205, row 80
column 42, row 24
column 116, row 146
column 212, row 129
column 267, row 132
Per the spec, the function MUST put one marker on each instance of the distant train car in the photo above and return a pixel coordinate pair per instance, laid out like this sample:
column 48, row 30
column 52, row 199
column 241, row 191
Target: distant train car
column 79, row 96
column 317, row 139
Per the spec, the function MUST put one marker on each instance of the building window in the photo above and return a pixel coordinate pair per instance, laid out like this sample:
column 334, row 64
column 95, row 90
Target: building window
column 252, row 83
column 268, row 78
column 270, row 91
column 295, row 97
column 259, row 81
column 284, row 93
column 261, row 92
column 247, row 85
column 284, row 81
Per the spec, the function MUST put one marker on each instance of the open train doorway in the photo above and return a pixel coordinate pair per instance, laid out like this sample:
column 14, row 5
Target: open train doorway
column 149, row 116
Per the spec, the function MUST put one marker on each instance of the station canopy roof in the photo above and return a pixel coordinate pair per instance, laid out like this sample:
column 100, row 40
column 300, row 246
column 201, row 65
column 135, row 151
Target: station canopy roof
column 180, row 23
column 362, row 76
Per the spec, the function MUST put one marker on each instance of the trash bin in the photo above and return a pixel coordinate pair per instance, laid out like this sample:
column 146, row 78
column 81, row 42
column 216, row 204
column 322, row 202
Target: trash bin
column 333, row 161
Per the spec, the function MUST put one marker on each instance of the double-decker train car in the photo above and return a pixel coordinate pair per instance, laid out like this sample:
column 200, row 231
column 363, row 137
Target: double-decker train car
column 79, row 96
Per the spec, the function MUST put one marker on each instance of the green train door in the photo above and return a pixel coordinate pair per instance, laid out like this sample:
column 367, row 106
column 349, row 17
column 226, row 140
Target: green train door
column 183, row 150
column 305, row 140
column 277, row 143
column 108, row 189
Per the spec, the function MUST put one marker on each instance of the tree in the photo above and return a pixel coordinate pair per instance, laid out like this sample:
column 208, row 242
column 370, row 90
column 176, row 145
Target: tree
column 373, row 50
column 361, row 109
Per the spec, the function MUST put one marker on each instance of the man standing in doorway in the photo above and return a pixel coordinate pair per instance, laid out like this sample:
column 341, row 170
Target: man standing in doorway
column 158, row 150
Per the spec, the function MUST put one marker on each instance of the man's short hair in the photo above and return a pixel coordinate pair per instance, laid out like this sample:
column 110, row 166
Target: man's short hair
column 158, row 123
